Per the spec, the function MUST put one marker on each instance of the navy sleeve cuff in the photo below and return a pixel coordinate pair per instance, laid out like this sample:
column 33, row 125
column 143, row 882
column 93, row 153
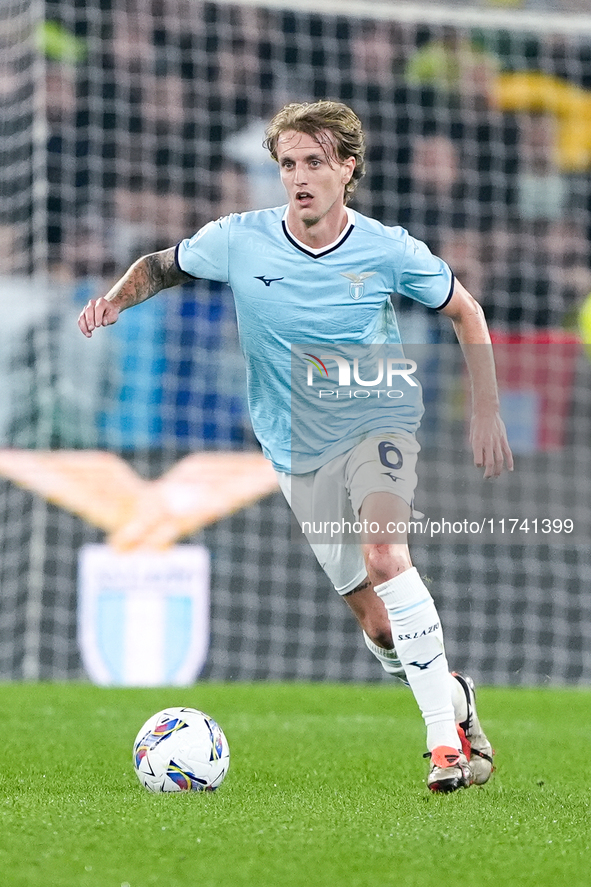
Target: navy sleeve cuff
column 178, row 264
column 450, row 294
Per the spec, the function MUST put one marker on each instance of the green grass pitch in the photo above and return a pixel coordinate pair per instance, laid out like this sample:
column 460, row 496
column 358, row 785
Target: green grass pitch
column 326, row 789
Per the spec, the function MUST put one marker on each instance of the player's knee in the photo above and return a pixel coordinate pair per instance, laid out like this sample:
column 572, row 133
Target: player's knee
column 386, row 561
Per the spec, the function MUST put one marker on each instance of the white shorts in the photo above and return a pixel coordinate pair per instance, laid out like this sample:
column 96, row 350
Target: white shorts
column 333, row 495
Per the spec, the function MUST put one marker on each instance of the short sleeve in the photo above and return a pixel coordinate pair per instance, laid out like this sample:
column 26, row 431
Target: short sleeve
column 205, row 255
column 424, row 277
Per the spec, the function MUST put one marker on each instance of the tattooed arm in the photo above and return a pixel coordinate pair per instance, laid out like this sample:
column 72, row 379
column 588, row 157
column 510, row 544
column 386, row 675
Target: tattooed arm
column 144, row 279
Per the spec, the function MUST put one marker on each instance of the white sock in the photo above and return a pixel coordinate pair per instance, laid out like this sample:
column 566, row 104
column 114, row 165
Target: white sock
column 388, row 658
column 393, row 666
column 418, row 638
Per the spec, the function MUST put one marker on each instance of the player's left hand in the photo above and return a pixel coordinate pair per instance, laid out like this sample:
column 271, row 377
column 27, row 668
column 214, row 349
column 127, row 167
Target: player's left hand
column 488, row 438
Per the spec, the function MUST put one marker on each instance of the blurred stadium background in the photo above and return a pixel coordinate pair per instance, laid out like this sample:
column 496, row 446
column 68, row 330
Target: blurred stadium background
column 127, row 124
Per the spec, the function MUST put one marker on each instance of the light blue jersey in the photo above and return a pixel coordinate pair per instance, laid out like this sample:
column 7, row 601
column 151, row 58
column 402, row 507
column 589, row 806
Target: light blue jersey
column 295, row 305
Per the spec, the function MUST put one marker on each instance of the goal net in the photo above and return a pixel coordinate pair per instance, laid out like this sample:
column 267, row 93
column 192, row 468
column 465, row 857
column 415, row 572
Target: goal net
column 128, row 125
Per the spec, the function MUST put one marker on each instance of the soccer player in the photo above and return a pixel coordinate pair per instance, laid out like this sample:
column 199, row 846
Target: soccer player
column 318, row 273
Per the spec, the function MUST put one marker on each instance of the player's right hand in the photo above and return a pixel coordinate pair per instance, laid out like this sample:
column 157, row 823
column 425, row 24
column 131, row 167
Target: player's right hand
column 98, row 312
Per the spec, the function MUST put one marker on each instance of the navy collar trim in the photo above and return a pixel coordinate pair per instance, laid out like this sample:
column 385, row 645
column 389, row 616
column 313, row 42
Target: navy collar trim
column 316, row 255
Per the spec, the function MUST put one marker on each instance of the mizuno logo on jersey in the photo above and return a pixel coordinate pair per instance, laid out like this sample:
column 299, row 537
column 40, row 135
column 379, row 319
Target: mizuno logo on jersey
column 357, row 285
column 268, row 280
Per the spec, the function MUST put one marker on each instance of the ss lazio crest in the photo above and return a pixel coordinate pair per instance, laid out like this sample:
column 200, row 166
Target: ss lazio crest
column 357, row 285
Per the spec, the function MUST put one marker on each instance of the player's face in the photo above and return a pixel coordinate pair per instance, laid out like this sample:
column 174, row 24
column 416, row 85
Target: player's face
column 312, row 175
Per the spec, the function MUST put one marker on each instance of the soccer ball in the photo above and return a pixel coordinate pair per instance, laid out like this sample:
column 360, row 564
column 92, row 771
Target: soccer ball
column 181, row 749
